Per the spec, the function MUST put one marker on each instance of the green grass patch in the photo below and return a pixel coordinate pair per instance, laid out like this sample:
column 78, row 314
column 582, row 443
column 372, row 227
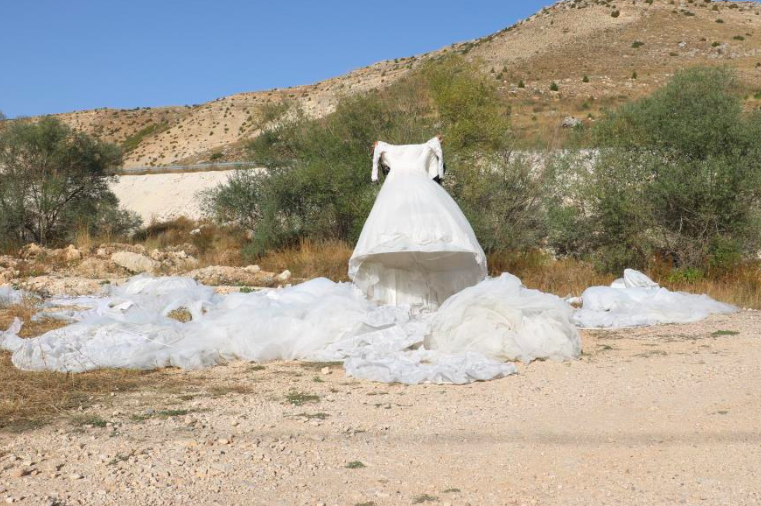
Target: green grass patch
column 133, row 141
column 94, row 420
column 164, row 413
column 301, row 398
column 720, row 333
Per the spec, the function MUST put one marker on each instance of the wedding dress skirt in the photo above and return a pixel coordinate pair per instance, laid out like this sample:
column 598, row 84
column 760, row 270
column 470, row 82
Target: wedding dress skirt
column 416, row 248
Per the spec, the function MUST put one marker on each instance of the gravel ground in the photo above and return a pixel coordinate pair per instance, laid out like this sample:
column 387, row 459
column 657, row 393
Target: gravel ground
column 657, row 416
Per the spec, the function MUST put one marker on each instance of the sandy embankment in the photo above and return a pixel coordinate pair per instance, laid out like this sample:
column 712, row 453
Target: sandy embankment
column 166, row 196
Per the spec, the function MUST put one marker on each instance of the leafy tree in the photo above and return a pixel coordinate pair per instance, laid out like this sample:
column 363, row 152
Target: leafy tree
column 677, row 174
column 53, row 180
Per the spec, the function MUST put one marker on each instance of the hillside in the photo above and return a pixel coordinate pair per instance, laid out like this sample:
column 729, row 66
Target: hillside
column 604, row 40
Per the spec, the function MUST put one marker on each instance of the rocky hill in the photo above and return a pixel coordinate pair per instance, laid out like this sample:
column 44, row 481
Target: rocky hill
column 597, row 53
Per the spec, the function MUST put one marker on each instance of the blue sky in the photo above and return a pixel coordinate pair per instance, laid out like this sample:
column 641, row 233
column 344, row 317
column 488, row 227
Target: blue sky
column 65, row 55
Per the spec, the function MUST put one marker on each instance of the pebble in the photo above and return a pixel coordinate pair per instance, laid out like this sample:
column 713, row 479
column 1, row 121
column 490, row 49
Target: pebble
column 75, row 476
column 19, row 472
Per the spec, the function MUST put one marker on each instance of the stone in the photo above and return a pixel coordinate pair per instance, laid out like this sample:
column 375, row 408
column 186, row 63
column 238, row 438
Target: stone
column 19, row 472
column 52, row 285
column 253, row 269
column 216, row 275
column 31, row 251
column 136, row 263
column 283, row 276
column 71, row 254
column 571, row 122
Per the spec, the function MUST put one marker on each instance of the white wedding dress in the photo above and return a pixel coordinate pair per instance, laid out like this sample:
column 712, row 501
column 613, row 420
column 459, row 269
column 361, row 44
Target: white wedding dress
column 416, row 248
column 428, row 314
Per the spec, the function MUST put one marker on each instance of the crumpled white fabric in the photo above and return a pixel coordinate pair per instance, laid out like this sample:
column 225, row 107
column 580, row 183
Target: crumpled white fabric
column 504, row 320
column 9, row 295
column 316, row 320
column 635, row 300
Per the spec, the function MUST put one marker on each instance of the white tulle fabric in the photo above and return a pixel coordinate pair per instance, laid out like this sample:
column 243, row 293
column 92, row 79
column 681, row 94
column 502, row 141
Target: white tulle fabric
column 416, row 248
column 9, row 295
column 316, row 320
column 635, row 300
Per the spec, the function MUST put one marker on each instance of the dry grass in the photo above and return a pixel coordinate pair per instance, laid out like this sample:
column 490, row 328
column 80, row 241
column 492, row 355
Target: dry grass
column 741, row 287
column 537, row 270
column 311, row 260
column 32, row 399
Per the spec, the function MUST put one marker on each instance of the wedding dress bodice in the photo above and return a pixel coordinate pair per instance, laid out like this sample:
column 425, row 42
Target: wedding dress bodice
column 410, row 158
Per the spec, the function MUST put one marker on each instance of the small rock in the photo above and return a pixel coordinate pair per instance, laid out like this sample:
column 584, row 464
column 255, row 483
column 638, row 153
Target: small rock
column 283, row 276
column 71, row 254
column 135, row 262
column 253, row 269
column 325, row 370
column 571, row 122
column 75, row 476
column 223, row 441
column 19, row 472
column 30, row 251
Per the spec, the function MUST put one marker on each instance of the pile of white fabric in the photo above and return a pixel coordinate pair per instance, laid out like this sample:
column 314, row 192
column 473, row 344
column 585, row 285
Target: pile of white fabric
column 469, row 338
column 635, row 300
column 9, row 295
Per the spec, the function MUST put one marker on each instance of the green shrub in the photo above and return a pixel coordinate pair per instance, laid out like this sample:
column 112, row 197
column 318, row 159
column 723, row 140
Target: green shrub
column 502, row 195
column 677, row 175
column 54, row 181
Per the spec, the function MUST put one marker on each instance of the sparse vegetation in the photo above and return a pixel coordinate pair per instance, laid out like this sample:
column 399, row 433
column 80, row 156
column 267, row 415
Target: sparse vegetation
column 54, row 182
column 677, row 176
column 300, row 398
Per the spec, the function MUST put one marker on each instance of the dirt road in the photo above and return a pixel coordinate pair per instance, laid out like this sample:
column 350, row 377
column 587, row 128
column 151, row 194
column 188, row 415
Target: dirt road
column 658, row 416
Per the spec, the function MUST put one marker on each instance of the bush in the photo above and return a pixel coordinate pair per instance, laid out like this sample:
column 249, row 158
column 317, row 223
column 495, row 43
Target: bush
column 54, row 181
column 677, row 175
column 502, row 194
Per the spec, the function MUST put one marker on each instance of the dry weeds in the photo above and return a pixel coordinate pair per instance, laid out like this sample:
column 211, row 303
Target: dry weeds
column 311, row 260
column 29, row 399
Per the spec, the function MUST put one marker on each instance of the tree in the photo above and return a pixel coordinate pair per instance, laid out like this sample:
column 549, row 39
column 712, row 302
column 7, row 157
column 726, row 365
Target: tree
column 52, row 179
column 676, row 175
column 2, row 116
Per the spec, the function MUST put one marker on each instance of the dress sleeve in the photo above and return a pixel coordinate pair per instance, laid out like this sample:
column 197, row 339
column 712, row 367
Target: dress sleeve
column 436, row 169
column 376, row 159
